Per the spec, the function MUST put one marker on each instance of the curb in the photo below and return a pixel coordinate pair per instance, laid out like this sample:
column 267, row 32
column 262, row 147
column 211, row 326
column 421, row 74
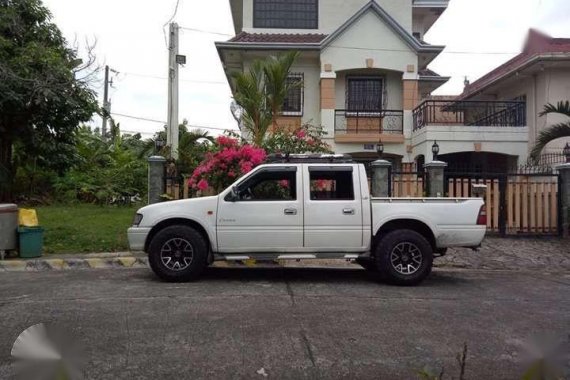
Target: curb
column 36, row 265
column 122, row 262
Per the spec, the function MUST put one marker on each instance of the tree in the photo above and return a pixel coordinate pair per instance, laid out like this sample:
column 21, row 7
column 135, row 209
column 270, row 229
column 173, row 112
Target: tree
column 192, row 145
column 42, row 98
column 277, row 85
column 305, row 139
column 553, row 132
column 250, row 95
column 261, row 91
column 227, row 160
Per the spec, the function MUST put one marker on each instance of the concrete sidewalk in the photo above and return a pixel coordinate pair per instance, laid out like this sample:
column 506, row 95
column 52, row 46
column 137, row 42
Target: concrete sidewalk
column 523, row 254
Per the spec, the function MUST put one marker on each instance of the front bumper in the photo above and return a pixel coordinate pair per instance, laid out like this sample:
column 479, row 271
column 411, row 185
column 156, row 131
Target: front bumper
column 137, row 237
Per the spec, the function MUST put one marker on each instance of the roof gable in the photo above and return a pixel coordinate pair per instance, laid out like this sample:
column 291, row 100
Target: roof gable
column 398, row 29
column 537, row 43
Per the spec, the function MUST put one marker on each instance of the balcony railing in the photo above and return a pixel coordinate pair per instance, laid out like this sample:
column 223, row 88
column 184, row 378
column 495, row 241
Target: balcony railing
column 470, row 113
column 369, row 122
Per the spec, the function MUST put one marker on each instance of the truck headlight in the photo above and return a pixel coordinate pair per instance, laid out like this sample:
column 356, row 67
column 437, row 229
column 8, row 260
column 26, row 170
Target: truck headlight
column 137, row 219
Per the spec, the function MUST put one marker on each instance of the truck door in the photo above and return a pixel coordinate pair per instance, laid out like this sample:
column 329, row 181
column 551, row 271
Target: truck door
column 267, row 216
column 333, row 208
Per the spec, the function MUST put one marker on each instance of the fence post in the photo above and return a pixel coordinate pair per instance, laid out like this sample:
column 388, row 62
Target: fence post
column 435, row 175
column 564, row 195
column 380, row 186
column 155, row 178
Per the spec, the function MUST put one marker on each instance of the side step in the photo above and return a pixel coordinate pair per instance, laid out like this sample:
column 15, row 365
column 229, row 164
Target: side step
column 288, row 256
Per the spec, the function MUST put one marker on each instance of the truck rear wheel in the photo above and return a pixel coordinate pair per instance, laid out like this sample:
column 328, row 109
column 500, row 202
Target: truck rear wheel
column 404, row 257
column 178, row 253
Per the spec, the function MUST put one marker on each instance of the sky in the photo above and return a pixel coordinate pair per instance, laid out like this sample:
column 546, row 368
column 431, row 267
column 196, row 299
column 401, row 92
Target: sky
column 131, row 39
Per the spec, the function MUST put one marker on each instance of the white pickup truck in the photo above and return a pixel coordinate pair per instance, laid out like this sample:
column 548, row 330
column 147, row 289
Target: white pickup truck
column 306, row 208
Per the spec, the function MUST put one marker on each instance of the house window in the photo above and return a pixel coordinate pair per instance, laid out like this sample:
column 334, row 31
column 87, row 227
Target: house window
column 293, row 104
column 286, row 14
column 364, row 93
column 331, row 184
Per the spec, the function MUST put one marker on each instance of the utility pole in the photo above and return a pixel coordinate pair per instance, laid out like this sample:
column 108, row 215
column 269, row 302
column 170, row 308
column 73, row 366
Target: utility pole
column 106, row 104
column 173, row 61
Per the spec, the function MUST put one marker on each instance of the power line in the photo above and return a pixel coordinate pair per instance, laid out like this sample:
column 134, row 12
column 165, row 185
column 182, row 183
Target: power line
column 168, row 22
column 173, row 14
column 444, row 52
column 165, row 78
column 164, row 123
column 206, row 31
column 138, row 118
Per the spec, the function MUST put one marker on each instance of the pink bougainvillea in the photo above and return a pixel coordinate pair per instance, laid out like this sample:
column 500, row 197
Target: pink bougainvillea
column 228, row 160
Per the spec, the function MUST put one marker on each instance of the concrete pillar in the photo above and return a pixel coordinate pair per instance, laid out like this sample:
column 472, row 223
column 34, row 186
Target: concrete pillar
column 564, row 195
column 328, row 101
column 155, row 178
column 435, row 173
column 380, row 186
column 411, row 94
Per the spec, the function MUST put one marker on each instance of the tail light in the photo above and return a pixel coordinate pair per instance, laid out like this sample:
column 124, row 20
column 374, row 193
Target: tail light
column 482, row 218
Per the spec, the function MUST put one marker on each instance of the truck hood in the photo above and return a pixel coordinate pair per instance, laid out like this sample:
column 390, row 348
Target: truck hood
column 196, row 209
column 182, row 203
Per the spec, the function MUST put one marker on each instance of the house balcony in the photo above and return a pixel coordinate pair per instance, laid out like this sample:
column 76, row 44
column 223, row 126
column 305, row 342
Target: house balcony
column 470, row 114
column 369, row 126
column 471, row 126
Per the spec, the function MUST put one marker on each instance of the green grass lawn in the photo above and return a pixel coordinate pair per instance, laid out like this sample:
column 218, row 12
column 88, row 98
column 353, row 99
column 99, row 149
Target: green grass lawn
column 85, row 228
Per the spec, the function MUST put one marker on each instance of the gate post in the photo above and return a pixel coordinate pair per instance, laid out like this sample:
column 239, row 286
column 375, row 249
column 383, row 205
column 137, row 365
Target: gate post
column 435, row 175
column 380, row 186
column 155, row 178
column 564, row 195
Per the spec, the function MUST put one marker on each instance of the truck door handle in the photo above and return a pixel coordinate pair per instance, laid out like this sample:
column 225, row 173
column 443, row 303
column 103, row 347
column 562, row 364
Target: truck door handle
column 348, row 211
column 290, row 211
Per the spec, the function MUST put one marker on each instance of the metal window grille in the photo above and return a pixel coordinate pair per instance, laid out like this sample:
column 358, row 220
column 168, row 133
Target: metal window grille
column 293, row 104
column 364, row 93
column 286, row 14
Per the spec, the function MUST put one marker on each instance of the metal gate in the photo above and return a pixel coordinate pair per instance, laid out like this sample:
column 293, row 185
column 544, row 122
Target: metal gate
column 521, row 203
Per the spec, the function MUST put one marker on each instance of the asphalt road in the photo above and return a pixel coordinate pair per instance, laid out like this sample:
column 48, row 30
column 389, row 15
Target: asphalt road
column 292, row 323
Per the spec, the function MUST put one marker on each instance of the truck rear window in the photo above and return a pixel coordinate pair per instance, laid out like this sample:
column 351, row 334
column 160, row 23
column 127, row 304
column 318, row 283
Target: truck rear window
column 331, row 184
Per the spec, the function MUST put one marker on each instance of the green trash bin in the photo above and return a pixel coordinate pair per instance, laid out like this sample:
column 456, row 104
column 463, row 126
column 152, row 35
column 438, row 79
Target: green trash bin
column 31, row 241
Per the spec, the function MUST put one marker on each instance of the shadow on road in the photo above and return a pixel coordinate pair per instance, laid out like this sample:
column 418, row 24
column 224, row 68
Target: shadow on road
column 314, row 276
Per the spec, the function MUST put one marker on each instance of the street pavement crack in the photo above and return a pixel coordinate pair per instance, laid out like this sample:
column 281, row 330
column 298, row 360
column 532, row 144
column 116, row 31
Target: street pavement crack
column 290, row 292
column 307, row 345
column 302, row 332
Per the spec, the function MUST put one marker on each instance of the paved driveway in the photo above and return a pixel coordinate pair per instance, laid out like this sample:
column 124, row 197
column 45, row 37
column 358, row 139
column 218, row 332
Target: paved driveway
column 294, row 323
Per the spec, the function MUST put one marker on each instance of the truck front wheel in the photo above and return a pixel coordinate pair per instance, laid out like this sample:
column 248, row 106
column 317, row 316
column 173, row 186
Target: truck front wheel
column 178, row 253
column 404, row 257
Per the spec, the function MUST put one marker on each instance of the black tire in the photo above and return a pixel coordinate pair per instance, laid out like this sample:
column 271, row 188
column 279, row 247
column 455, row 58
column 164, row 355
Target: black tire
column 404, row 257
column 187, row 250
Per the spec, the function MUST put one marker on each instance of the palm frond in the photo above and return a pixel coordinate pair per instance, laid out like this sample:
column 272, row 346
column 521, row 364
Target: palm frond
column 547, row 135
column 562, row 108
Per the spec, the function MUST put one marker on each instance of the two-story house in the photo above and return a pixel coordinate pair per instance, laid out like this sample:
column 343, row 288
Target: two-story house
column 363, row 66
column 539, row 75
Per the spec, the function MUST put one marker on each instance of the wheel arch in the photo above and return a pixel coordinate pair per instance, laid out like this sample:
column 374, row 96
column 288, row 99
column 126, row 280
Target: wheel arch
column 405, row 224
column 177, row 222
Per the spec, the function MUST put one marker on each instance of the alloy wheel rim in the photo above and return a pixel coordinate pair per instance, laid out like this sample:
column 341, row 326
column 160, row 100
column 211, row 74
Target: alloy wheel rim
column 406, row 258
column 177, row 254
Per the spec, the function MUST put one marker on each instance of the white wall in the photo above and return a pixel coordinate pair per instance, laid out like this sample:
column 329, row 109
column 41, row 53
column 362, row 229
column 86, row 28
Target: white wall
column 454, row 139
column 333, row 13
column 371, row 38
column 549, row 86
column 557, row 88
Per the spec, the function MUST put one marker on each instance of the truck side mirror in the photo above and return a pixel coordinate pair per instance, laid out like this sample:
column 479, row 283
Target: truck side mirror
column 234, row 194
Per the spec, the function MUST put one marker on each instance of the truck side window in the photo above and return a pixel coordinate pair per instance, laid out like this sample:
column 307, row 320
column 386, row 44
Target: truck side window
column 331, row 184
column 274, row 185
